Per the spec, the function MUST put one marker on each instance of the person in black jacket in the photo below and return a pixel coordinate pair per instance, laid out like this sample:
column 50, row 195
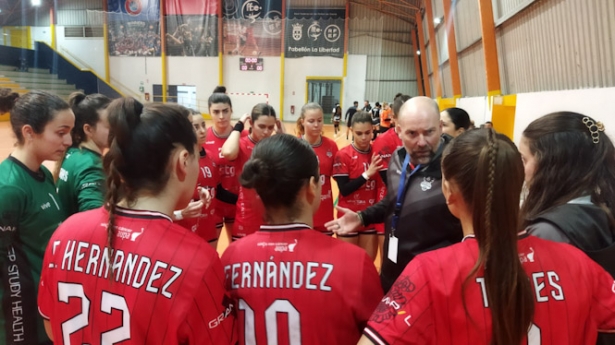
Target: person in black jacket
column 419, row 220
column 570, row 176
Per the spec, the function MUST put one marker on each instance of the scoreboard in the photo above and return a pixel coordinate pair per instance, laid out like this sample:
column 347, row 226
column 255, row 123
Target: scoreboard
column 251, row 64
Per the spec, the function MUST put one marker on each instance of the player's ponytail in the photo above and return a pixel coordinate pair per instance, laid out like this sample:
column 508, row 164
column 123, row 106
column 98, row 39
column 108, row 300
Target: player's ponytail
column 487, row 169
column 279, row 167
column 141, row 142
column 7, row 100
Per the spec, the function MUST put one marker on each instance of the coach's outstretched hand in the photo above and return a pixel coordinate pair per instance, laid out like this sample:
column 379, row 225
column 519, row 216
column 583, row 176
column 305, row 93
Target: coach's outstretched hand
column 348, row 223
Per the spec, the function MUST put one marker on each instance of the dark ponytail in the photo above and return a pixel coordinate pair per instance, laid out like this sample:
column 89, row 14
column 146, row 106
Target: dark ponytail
column 487, row 169
column 141, row 142
column 279, row 167
column 7, row 100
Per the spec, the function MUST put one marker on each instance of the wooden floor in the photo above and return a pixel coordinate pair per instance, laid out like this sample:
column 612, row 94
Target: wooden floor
column 7, row 141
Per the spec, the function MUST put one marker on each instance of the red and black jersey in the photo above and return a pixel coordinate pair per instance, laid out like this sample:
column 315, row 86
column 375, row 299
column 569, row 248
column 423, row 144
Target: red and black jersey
column 160, row 284
column 294, row 285
column 205, row 225
column 384, row 145
column 250, row 209
column 351, row 162
column 228, row 175
column 325, row 151
column 574, row 298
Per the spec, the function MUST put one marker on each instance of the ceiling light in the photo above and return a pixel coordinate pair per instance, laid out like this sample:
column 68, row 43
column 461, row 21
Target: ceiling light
column 418, row 52
column 436, row 20
column 36, row 2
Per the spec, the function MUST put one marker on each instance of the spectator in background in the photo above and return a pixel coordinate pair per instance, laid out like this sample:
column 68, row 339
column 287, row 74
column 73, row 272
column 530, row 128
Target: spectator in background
column 385, row 117
column 454, row 121
column 367, row 107
column 348, row 117
column 488, row 124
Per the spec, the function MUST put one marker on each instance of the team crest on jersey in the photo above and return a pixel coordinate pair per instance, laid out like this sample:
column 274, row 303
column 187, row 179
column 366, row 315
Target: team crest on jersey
column 426, row 184
column 394, row 300
column 329, row 154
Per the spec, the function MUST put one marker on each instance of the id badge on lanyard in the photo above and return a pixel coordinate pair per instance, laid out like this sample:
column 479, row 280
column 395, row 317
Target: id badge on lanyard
column 393, row 240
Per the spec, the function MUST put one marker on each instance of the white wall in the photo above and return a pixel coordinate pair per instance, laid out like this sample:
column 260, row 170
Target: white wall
column 201, row 72
column 86, row 52
column 258, row 82
column 40, row 33
column 354, row 85
column 477, row 108
column 592, row 102
column 128, row 72
column 295, row 73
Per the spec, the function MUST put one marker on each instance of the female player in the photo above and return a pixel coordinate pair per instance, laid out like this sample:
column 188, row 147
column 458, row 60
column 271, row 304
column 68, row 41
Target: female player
column 570, row 174
column 498, row 286
column 250, row 210
column 356, row 173
column 30, row 210
column 199, row 216
column 221, row 110
column 454, row 121
column 125, row 272
column 292, row 284
column 309, row 127
column 79, row 175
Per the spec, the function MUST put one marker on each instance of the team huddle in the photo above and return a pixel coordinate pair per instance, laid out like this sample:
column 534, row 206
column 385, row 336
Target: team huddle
column 118, row 244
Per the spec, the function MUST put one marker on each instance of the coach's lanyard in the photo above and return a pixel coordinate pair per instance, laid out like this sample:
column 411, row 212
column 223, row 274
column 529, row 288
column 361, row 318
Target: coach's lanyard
column 401, row 189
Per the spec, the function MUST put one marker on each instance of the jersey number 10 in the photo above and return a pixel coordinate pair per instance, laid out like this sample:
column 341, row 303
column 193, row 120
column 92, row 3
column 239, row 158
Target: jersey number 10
column 271, row 323
column 108, row 302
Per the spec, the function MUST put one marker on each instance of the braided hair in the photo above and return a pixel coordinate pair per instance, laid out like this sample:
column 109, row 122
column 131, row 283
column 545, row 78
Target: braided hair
column 487, row 169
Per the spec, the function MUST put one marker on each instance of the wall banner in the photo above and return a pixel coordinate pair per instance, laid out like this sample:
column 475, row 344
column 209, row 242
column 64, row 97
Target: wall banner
column 134, row 28
column 314, row 32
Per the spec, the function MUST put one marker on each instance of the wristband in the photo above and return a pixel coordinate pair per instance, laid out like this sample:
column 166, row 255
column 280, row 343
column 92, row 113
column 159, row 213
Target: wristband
column 238, row 126
column 178, row 215
column 360, row 218
column 364, row 174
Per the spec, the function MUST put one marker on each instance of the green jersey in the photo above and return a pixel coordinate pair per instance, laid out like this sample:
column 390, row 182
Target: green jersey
column 81, row 181
column 29, row 214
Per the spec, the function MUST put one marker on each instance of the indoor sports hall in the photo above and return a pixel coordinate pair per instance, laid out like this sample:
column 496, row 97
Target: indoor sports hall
column 535, row 77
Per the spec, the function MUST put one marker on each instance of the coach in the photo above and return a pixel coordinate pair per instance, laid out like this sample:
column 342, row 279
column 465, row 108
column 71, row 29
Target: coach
column 414, row 210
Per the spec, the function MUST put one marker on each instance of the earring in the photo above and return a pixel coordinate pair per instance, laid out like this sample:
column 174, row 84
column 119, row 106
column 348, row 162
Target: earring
column 447, row 202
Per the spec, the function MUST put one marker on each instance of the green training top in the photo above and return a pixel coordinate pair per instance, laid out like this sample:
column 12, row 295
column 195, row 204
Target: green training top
column 29, row 214
column 81, row 181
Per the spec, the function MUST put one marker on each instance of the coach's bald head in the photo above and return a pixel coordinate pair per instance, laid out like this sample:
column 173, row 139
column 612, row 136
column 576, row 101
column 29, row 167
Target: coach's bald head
column 419, row 128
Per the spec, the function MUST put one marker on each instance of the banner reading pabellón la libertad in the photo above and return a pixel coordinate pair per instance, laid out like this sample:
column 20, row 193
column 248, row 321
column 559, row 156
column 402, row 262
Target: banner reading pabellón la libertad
column 315, row 32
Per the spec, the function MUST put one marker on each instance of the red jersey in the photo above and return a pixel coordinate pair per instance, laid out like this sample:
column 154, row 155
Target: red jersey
column 227, row 173
column 205, row 225
column 574, row 297
column 294, row 285
column 352, row 163
column 325, row 151
column 384, row 145
column 165, row 285
column 250, row 208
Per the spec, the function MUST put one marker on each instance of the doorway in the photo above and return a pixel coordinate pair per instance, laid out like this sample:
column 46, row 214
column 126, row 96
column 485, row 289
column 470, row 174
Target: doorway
column 326, row 91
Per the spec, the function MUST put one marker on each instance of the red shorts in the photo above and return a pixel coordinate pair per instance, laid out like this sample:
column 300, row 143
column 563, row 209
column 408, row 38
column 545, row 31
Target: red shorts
column 380, row 228
column 225, row 213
